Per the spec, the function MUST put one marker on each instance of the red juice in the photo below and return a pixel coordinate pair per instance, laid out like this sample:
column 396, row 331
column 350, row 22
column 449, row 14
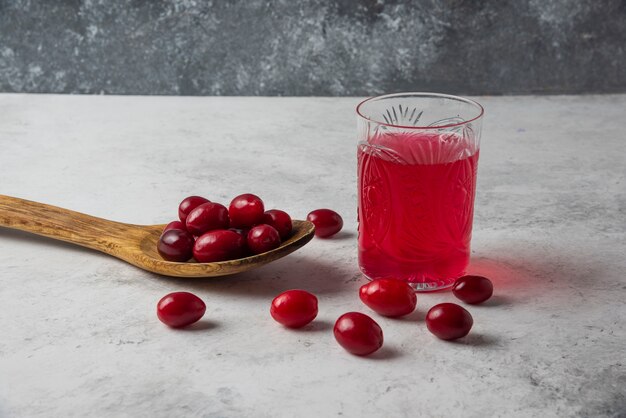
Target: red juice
column 416, row 205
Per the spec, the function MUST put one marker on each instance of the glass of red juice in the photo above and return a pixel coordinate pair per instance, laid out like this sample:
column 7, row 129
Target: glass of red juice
column 417, row 165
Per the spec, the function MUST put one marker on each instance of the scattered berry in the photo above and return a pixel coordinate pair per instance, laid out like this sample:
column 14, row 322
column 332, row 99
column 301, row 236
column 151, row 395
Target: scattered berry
column 473, row 289
column 327, row 222
column 294, row 308
column 449, row 321
column 389, row 297
column 358, row 333
column 180, row 309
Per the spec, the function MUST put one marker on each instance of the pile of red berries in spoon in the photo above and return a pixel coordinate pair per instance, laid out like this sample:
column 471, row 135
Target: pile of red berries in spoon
column 210, row 232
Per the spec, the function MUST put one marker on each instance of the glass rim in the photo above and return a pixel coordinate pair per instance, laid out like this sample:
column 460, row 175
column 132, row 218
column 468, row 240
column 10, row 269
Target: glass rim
column 422, row 94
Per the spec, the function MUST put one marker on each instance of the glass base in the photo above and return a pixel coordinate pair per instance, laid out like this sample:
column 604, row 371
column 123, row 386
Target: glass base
column 425, row 286
column 433, row 286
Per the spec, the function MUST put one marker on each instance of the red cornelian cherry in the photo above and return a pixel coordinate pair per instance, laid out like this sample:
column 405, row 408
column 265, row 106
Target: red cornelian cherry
column 389, row 297
column 175, row 225
column 280, row 220
column 327, row 222
column 218, row 245
column 207, row 217
column 180, row 309
column 294, row 308
column 449, row 321
column 188, row 204
column 358, row 333
column 176, row 245
column 263, row 238
column 473, row 289
column 245, row 211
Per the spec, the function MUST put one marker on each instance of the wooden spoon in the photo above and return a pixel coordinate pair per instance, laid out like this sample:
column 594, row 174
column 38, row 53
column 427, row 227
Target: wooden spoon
column 135, row 244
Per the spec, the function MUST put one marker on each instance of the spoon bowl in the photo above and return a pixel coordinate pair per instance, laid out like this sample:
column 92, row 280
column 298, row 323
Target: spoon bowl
column 135, row 244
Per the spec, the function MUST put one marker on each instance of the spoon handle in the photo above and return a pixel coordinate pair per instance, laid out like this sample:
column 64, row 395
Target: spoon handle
column 62, row 224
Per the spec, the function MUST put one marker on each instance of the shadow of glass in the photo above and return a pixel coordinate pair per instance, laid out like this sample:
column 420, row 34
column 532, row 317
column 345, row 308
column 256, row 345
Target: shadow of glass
column 528, row 273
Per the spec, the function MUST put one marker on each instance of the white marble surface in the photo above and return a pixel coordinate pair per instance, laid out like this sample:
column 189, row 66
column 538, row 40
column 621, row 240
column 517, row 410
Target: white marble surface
column 79, row 334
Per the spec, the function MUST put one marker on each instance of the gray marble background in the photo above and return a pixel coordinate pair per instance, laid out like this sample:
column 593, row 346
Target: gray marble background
column 312, row 47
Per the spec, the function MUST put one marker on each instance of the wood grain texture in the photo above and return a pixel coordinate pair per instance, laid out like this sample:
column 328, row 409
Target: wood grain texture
column 135, row 244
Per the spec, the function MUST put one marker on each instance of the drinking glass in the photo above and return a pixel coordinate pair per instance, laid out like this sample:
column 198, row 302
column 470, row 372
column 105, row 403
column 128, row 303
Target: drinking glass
column 417, row 166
